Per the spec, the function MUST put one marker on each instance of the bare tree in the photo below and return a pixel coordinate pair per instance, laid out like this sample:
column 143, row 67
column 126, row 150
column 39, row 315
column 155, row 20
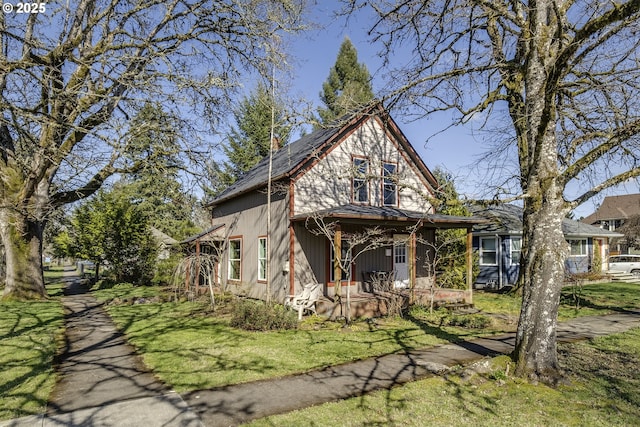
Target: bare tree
column 73, row 74
column 566, row 75
column 350, row 246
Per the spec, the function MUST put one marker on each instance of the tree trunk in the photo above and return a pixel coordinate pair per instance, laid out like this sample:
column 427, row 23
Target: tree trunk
column 22, row 240
column 542, row 276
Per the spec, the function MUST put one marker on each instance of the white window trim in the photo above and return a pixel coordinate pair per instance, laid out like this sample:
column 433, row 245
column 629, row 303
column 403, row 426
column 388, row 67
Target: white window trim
column 584, row 247
column 482, row 251
column 266, row 247
column 229, row 269
column 512, row 250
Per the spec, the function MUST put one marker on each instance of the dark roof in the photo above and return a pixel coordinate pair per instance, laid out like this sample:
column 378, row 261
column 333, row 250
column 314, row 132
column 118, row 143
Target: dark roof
column 386, row 213
column 202, row 234
column 615, row 207
column 291, row 157
column 284, row 160
column 507, row 219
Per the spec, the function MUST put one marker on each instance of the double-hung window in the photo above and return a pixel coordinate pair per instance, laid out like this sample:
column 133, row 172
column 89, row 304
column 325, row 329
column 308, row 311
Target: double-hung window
column 488, row 251
column 578, row 247
column 235, row 259
column 262, row 258
column 360, row 184
column 389, row 185
column 516, row 250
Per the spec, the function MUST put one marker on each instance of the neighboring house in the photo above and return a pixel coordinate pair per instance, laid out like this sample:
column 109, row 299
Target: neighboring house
column 361, row 174
column 499, row 244
column 612, row 214
column 165, row 243
column 613, row 211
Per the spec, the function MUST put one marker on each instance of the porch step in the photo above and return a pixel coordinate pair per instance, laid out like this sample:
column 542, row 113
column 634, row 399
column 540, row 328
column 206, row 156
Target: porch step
column 619, row 276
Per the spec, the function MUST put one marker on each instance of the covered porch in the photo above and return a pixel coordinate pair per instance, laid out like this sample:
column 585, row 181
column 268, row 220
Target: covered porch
column 382, row 257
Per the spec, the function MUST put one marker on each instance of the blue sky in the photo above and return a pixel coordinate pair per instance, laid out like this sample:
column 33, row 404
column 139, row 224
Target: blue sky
column 456, row 150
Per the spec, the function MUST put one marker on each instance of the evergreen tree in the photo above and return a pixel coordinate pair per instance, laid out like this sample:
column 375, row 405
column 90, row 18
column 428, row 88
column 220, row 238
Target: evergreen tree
column 450, row 243
column 249, row 141
column 156, row 187
column 348, row 86
column 113, row 229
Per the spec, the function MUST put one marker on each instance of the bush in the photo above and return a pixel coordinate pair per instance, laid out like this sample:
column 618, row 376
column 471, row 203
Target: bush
column 165, row 269
column 444, row 317
column 258, row 316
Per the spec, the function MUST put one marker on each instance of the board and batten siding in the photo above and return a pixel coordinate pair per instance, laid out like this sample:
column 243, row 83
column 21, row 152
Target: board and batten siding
column 328, row 183
column 246, row 216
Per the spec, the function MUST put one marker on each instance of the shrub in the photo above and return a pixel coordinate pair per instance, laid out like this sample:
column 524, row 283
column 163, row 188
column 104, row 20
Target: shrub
column 258, row 316
column 469, row 321
column 444, row 317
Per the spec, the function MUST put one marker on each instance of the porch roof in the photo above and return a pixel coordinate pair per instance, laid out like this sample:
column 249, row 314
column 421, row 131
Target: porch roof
column 208, row 235
column 391, row 214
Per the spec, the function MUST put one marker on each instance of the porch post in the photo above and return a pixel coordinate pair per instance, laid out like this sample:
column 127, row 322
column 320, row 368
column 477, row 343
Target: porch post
column 469, row 256
column 337, row 254
column 197, row 267
column 412, row 268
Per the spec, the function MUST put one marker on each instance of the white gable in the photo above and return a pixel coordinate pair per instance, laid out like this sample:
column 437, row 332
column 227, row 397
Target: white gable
column 328, row 183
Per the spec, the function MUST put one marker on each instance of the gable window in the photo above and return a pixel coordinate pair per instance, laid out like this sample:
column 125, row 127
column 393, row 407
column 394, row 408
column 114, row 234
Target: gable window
column 578, row 247
column 360, row 184
column 235, row 259
column 389, row 186
column 516, row 250
column 262, row 258
column 488, row 251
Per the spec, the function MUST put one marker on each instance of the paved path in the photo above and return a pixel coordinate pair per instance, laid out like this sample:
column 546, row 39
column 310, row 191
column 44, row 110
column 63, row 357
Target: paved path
column 233, row 405
column 102, row 381
column 104, row 384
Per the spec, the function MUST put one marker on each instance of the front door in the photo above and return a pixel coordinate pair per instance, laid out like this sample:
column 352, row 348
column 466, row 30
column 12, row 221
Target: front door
column 401, row 260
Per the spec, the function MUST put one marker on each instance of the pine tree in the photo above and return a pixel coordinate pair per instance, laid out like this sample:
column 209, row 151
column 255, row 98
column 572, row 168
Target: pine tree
column 156, row 187
column 348, row 86
column 248, row 142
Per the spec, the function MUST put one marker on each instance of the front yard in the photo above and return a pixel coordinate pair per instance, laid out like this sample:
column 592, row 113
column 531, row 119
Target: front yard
column 190, row 347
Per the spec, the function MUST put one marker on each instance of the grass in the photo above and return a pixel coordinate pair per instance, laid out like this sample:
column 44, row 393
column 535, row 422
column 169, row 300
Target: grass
column 191, row 348
column 30, row 335
column 604, row 392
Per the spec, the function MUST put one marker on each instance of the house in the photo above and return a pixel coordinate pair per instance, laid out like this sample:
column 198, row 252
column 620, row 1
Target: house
column 612, row 214
column 613, row 211
column 165, row 243
column 362, row 174
column 499, row 243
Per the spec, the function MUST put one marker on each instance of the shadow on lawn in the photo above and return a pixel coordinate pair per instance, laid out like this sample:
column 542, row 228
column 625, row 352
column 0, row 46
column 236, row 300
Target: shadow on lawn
column 30, row 333
column 598, row 297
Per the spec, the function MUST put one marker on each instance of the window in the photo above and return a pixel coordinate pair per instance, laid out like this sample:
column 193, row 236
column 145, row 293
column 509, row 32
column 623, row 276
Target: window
column 235, row 259
column 262, row 258
column 344, row 260
column 578, row 247
column 389, row 186
column 516, row 250
column 360, row 184
column 488, row 251
column 399, row 253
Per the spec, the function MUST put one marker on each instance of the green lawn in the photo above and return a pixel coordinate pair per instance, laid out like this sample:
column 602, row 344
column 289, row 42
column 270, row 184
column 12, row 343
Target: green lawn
column 603, row 392
column 30, row 335
column 190, row 348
